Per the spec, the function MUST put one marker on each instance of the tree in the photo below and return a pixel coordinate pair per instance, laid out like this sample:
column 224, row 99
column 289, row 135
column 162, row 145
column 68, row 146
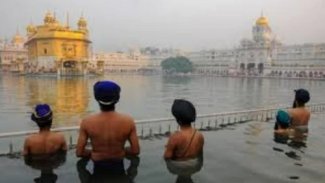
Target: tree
column 178, row 64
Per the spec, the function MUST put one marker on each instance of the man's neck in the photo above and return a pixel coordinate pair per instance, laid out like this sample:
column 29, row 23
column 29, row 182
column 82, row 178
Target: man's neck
column 45, row 130
column 185, row 127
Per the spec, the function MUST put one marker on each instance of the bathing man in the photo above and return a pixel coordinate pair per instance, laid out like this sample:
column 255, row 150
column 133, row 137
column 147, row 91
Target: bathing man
column 108, row 132
column 184, row 149
column 45, row 142
column 299, row 114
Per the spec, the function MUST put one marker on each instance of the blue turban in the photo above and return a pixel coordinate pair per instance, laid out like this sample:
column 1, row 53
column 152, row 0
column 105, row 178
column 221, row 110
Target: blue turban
column 42, row 113
column 107, row 92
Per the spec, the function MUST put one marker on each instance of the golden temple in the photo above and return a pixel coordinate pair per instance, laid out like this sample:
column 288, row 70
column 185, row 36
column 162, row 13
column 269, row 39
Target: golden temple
column 57, row 48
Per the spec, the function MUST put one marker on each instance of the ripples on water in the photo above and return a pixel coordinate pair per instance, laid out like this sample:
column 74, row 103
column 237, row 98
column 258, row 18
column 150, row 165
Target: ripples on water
column 142, row 96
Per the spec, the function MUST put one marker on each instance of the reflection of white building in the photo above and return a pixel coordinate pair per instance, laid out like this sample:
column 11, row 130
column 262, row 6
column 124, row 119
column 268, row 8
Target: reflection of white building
column 13, row 55
column 132, row 61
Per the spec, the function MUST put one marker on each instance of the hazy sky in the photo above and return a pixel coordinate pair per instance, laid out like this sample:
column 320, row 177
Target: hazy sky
column 186, row 24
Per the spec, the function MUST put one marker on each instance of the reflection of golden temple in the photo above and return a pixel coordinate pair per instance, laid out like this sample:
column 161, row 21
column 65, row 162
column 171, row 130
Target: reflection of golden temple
column 56, row 48
column 72, row 96
column 68, row 97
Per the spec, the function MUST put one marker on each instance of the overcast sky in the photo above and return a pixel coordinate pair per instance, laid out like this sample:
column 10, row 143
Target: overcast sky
column 187, row 24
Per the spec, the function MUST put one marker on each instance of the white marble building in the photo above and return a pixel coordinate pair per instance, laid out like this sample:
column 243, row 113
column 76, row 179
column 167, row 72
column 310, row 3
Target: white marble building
column 13, row 55
column 132, row 61
column 263, row 55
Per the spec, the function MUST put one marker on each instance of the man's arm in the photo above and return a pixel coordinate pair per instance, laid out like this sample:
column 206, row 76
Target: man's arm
column 134, row 148
column 82, row 142
column 170, row 148
column 26, row 147
column 64, row 146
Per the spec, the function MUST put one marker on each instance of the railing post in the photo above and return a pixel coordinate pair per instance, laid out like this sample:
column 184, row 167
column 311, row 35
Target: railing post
column 160, row 129
column 11, row 148
column 142, row 131
column 262, row 118
column 70, row 141
column 150, row 132
column 169, row 128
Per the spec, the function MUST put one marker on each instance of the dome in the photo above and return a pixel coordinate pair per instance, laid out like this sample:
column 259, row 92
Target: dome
column 30, row 28
column 82, row 22
column 49, row 18
column 263, row 21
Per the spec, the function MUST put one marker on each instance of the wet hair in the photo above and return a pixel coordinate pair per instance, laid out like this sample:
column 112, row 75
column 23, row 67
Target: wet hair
column 184, row 112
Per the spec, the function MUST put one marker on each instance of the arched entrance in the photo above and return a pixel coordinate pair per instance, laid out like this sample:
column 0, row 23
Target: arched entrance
column 251, row 68
column 70, row 67
column 242, row 66
column 260, row 68
column 302, row 74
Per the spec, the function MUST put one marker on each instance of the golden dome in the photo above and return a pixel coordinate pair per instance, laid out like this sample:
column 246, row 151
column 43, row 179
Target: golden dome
column 49, row 18
column 82, row 22
column 30, row 28
column 263, row 21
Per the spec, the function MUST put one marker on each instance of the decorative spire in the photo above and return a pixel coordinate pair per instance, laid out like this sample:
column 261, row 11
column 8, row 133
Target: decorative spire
column 68, row 21
column 17, row 30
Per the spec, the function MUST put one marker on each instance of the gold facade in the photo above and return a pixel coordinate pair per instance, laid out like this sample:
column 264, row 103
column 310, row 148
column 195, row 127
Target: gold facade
column 56, row 48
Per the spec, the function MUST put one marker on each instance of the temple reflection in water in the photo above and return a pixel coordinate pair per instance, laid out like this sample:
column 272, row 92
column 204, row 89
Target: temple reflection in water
column 68, row 97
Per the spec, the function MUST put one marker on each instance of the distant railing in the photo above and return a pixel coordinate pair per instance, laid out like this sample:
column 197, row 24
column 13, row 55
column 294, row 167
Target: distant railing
column 12, row 142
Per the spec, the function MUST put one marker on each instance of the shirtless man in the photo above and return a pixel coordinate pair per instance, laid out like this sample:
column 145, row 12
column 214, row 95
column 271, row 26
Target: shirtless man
column 188, row 142
column 299, row 114
column 108, row 131
column 45, row 142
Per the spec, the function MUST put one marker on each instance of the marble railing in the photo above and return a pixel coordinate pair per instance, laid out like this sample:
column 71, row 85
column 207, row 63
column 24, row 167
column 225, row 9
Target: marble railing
column 11, row 143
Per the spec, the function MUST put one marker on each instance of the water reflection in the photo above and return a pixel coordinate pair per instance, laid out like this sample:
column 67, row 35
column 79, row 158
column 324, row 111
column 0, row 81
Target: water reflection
column 294, row 138
column 46, row 164
column 100, row 175
column 299, row 138
column 68, row 97
column 185, row 169
column 176, row 79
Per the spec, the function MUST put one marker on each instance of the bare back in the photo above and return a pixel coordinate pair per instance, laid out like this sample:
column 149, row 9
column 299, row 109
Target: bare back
column 44, row 143
column 184, row 145
column 300, row 116
column 108, row 132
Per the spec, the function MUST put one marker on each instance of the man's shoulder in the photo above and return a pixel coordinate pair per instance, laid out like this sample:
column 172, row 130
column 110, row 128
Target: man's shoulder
column 126, row 117
column 58, row 135
column 32, row 137
column 89, row 119
column 176, row 135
